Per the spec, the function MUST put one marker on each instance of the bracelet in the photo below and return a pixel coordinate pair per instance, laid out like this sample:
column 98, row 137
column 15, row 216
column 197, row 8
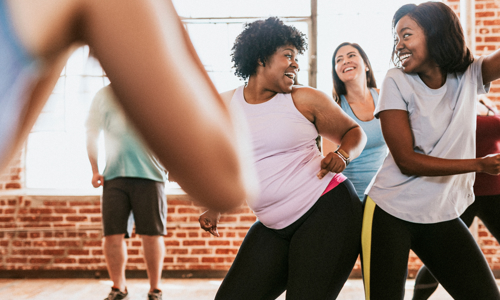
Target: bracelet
column 343, row 155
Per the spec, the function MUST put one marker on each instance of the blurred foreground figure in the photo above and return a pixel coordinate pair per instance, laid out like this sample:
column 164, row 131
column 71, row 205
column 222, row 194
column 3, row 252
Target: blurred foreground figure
column 156, row 74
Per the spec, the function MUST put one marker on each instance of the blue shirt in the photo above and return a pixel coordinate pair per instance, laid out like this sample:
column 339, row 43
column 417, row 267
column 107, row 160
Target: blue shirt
column 361, row 170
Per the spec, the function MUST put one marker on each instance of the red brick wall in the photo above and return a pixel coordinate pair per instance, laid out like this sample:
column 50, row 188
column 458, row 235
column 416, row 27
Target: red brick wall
column 64, row 233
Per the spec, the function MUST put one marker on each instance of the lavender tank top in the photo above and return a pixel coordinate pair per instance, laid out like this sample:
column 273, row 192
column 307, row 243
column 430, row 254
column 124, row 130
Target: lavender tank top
column 286, row 159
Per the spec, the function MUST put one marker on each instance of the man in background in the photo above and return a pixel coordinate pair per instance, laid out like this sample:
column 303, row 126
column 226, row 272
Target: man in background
column 133, row 190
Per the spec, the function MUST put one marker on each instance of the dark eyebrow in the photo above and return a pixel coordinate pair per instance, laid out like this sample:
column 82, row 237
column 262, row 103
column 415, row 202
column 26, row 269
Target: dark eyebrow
column 403, row 29
column 346, row 54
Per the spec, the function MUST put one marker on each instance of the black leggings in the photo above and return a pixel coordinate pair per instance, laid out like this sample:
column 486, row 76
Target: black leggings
column 487, row 208
column 310, row 259
column 447, row 248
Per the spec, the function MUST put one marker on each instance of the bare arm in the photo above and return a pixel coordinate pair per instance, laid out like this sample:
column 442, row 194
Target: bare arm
column 491, row 67
column 397, row 134
column 92, row 152
column 332, row 123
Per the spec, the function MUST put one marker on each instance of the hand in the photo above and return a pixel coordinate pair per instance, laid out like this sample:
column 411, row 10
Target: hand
column 491, row 164
column 331, row 163
column 208, row 222
column 97, row 180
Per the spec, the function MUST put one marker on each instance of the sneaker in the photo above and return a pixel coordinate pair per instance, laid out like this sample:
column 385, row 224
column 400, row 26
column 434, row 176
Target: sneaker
column 155, row 295
column 116, row 294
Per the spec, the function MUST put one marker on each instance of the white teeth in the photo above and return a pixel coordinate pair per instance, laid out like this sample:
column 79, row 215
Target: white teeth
column 348, row 69
column 290, row 75
column 404, row 57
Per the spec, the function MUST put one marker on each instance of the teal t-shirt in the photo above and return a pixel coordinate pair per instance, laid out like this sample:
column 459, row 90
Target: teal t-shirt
column 126, row 154
column 361, row 170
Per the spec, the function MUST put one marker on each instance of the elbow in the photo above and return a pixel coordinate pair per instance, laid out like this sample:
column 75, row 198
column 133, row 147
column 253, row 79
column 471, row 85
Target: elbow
column 406, row 167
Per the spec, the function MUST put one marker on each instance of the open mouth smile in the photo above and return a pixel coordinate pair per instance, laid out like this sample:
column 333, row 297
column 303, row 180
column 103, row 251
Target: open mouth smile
column 290, row 75
column 348, row 69
column 404, row 57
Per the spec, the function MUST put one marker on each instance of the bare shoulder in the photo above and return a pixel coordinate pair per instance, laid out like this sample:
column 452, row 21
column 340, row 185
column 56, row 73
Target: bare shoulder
column 227, row 96
column 310, row 101
column 310, row 96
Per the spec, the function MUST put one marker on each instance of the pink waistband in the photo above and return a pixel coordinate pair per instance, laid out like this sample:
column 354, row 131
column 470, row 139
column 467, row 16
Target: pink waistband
column 336, row 180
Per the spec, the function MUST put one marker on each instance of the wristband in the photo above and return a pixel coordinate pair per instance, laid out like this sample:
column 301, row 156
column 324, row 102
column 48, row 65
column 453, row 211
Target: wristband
column 342, row 154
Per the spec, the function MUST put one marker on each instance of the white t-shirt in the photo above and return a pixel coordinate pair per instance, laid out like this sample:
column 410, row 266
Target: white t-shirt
column 443, row 124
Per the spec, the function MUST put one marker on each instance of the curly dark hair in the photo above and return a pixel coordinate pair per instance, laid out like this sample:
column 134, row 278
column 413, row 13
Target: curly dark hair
column 443, row 34
column 259, row 40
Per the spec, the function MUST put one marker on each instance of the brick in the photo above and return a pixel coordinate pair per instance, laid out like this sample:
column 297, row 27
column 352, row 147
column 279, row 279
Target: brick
column 177, row 251
column 187, row 260
column 92, row 243
column 14, row 260
column 485, row 14
column 201, row 251
column 76, row 218
column 35, row 235
column 40, row 211
column 177, row 219
column 40, row 260
column 82, row 203
column 489, row 39
column 188, row 210
column 97, row 252
column 218, row 243
column 228, row 219
column 6, row 219
column 90, row 210
column 64, row 260
column 78, row 252
column 65, row 210
column 138, row 260
column 212, row 259
column 53, row 252
column 55, row 203
column 248, row 219
column 491, row 22
column 175, row 202
column 12, row 185
column 87, row 261
column 44, row 243
column 51, row 219
column 172, row 243
column 222, row 251
column 96, row 219
column 27, row 252
column 132, row 252
column 193, row 243
column 69, row 243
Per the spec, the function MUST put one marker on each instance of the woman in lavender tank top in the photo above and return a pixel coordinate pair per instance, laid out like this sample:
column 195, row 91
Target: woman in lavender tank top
column 307, row 237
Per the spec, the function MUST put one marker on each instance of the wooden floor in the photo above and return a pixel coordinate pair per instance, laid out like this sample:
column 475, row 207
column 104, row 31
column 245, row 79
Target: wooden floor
column 173, row 289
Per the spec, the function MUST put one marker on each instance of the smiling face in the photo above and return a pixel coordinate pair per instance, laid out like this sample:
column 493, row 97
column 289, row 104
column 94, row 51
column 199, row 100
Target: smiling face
column 411, row 47
column 281, row 69
column 349, row 65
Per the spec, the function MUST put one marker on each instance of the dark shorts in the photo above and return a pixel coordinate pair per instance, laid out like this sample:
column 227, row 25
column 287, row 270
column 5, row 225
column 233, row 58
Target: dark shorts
column 128, row 199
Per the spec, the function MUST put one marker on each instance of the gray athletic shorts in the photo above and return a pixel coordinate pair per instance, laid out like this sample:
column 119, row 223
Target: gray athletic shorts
column 129, row 199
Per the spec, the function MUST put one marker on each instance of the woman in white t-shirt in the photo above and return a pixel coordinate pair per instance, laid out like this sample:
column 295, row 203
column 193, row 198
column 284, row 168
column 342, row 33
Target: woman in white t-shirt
column 427, row 112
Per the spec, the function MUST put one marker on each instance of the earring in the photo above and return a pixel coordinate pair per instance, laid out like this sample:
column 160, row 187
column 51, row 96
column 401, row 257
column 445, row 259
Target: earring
column 367, row 69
